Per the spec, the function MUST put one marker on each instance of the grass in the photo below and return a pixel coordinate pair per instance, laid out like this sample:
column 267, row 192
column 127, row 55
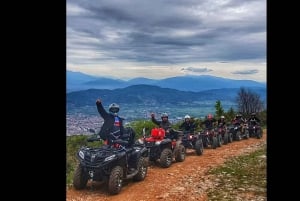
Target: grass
column 241, row 178
column 73, row 145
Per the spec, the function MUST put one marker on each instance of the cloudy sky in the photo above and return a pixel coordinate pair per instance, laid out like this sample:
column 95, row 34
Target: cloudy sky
column 165, row 38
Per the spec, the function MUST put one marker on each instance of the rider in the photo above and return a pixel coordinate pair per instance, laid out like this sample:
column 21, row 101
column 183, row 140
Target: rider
column 187, row 125
column 166, row 125
column 209, row 122
column 112, row 127
column 254, row 120
column 221, row 121
column 239, row 121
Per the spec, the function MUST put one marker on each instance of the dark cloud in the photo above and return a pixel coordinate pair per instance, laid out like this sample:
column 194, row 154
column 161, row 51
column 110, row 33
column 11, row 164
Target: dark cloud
column 170, row 31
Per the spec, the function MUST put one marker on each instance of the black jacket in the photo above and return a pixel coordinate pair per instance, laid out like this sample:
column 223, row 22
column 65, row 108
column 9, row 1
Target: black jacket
column 188, row 126
column 221, row 123
column 209, row 123
column 108, row 124
column 166, row 125
column 254, row 120
column 162, row 124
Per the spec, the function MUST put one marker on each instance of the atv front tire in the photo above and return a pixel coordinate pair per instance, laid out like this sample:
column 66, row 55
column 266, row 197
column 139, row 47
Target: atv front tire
column 199, row 147
column 115, row 180
column 80, row 178
column 166, row 158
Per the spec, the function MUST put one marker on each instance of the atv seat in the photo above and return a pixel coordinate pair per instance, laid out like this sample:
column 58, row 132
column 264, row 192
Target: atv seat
column 158, row 133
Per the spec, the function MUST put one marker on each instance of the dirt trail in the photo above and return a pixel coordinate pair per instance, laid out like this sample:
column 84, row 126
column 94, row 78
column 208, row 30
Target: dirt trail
column 185, row 180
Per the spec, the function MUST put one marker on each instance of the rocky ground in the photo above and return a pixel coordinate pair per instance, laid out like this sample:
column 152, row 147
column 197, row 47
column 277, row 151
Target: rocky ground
column 187, row 180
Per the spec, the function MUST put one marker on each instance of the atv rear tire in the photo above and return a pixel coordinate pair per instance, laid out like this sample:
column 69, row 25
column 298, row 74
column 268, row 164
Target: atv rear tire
column 225, row 140
column 238, row 136
column 142, row 167
column 219, row 138
column 166, row 158
column 259, row 133
column 199, row 147
column 214, row 142
column 230, row 138
column 247, row 134
column 115, row 180
column 180, row 153
column 80, row 178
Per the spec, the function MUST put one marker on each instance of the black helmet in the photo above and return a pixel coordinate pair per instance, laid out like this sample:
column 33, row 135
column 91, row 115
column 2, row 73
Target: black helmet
column 164, row 115
column 114, row 108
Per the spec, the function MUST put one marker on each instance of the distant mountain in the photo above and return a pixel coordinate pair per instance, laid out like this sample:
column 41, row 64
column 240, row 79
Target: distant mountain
column 78, row 81
column 149, row 95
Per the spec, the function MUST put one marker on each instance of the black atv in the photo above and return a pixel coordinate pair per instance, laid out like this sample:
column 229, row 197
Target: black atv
column 111, row 163
column 162, row 149
column 238, row 131
column 254, row 129
column 223, row 131
column 192, row 140
column 210, row 138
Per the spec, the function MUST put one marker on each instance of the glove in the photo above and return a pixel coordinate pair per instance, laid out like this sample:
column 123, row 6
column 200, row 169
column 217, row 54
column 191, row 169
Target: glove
column 98, row 101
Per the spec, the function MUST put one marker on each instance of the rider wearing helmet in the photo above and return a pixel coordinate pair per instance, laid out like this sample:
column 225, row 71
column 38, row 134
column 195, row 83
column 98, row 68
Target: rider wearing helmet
column 112, row 127
column 253, row 119
column 209, row 122
column 238, row 119
column 166, row 125
column 187, row 125
column 221, row 121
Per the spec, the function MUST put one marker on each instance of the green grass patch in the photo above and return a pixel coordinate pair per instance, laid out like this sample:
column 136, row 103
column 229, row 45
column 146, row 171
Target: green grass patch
column 240, row 178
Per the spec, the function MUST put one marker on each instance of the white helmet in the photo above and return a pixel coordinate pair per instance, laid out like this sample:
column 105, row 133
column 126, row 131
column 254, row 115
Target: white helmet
column 222, row 117
column 187, row 116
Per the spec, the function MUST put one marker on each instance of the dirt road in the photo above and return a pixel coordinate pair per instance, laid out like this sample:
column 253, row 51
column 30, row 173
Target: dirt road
column 185, row 180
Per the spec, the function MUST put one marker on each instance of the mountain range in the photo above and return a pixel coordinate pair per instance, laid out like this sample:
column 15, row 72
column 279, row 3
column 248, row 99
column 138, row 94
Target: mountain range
column 77, row 81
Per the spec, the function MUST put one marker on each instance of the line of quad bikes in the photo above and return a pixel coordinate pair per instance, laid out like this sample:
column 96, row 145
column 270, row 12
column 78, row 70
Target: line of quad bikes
column 117, row 161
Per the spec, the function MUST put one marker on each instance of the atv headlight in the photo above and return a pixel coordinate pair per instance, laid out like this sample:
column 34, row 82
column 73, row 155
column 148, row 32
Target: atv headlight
column 110, row 158
column 157, row 142
column 81, row 154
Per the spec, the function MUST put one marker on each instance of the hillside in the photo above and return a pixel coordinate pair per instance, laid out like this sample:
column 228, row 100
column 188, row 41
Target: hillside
column 148, row 95
column 78, row 81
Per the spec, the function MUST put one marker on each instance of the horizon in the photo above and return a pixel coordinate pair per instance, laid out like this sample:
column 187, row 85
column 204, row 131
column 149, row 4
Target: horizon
column 144, row 77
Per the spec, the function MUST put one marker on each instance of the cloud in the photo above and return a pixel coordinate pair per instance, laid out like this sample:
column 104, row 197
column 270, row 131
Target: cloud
column 195, row 70
column 254, row 71
column 162, row 33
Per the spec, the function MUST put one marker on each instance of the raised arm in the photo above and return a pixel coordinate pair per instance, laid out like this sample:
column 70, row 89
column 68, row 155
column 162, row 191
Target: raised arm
column 100, row 109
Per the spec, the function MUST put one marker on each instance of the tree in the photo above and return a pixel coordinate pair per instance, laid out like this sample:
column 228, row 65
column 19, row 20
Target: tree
column 219, row 109
column 230, row 114
column 248, row 102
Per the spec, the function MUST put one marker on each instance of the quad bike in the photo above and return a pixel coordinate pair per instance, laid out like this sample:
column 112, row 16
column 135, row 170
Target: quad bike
column 192, row 140
column 209, row 138
column 111, row 163
column 254, row 129
column 226, row 137
column 239, row 131
column 162, row 149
